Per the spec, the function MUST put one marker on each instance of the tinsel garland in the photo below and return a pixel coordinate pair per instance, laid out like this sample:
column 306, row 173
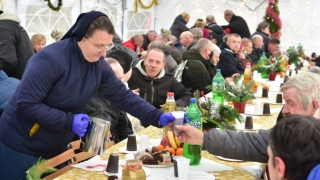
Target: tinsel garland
column 272, row 17
column 137, row 2
column 54, row 8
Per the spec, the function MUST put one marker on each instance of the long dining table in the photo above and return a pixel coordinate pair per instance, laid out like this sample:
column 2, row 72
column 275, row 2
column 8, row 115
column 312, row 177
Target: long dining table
column 220, row 168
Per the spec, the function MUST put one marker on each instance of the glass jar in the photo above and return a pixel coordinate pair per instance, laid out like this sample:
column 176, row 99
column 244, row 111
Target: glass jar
column 133, row 170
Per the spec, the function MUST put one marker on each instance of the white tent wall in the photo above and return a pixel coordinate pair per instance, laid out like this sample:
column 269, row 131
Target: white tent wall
column 299, row 18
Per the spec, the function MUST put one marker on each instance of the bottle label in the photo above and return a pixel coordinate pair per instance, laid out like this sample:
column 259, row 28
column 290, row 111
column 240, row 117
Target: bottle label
column 217, row 85
column 197, row 123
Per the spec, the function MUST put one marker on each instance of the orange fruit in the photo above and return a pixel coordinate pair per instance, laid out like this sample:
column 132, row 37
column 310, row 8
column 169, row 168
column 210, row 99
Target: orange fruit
column 160, row 147
column 173, row 152
column 179, row 152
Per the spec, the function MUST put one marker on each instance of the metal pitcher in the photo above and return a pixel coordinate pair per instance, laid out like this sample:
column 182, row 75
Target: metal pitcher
column 96, row 138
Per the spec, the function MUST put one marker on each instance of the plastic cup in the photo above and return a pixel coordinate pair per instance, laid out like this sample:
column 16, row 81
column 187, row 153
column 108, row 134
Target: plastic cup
column 183, row 168
column 266, row 108
column 257, row 108
column 144, row 142
column 264, row 92
column 248, row 123
column 131, row 143
column 279, row 98
column 179, row 116
column 113, row 163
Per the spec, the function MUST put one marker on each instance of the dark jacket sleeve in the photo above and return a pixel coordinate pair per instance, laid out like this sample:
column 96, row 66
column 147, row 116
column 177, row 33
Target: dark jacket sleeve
column 248, row 146
column 195, row 76
column 182, row 95
column 228, row 66
column 124, row 127
column 115, row 91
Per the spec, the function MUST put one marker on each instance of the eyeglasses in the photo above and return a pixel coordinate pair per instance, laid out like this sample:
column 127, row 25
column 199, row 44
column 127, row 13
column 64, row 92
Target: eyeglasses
column 101, row 48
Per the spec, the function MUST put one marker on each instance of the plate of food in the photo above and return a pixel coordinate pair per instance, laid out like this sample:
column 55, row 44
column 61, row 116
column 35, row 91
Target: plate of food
column 154, row 158
column 228, row 159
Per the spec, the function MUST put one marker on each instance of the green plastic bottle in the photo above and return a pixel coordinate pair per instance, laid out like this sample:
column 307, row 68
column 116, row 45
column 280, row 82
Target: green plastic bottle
column 263, row 61
column 193, row 152
column 218, row 83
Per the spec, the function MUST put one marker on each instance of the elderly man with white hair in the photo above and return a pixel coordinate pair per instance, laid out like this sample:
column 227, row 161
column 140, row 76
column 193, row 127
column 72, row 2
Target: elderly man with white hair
column 200, row 67
column 257, row 41
column 302, row 96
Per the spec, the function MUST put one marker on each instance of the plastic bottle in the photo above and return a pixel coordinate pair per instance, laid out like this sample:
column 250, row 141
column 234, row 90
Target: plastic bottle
column 247, row 73
column 193, row 152
column 170, row 106
column 263, row 61
column 217, row 83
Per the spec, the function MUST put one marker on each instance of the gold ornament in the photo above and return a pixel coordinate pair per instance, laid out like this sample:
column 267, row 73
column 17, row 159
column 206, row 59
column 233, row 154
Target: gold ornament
column 137, row 2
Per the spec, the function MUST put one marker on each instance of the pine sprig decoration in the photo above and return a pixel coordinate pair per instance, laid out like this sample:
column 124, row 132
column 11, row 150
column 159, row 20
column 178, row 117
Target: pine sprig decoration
column 239, row 91
column 219, row 116
column 55, row 8
column 39, row 168
column 294, row 54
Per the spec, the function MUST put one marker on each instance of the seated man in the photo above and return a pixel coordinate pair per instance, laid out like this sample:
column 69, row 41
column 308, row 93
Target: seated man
column 148, row 38
column 150, row 77
column 216, row 32
column 273, row 47
column 229, row 62
column 100, row 107
column 199, row 71
column 251, row 146
column 294, row 149
column 186, row 39
column 257, row 41
column 175, row 52
column 135, row 43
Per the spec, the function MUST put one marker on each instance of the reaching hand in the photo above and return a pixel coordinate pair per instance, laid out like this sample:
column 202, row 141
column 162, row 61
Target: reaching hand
column 166, row 118
column 190, row 135
column 80, row 124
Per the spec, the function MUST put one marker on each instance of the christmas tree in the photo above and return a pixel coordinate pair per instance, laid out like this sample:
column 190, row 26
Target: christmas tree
column 272, row 17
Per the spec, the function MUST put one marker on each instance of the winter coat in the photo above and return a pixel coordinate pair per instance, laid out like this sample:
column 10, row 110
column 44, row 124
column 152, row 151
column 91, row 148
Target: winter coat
column 130, row 44
column 256, row 54
column 175, row 53
column 171, row 64
column 239, row 26
column 146, row 42
column 198, row 73
column 237, row 145
column 215, row 32
column 59, row 82
column 229, row 63
column 178, row 26
column 8, row 88
column 15, row 46
column 155, row 90
column 100, row 107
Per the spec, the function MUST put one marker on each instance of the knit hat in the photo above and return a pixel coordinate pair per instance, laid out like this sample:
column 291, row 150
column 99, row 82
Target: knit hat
column 124, row 59
column 82, row 24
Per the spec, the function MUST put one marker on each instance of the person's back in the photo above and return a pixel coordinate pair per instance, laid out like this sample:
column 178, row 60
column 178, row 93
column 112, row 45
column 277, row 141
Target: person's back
column 16, row 48
column 294, row 149
column 8, row 88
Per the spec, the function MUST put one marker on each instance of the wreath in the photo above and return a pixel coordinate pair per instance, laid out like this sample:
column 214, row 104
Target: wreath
column 137, row 2
column 54, row 8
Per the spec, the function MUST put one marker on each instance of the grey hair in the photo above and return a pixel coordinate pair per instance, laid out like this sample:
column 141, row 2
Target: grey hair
column 263, row 25
column 210, row 19
column 215, row 48
column 136, row 37
column 256, row 37
column 164, row 37
column 197, row 33
column 152, row 31
column 308, row 86
column 315, row 69
column 111, row 60
column 201, row 44
column 173, row 39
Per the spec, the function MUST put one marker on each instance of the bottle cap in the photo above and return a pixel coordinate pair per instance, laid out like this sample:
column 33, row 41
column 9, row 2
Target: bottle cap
column 263, row 53
column 193, row 100
column 218, row 70
column 170, row 94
